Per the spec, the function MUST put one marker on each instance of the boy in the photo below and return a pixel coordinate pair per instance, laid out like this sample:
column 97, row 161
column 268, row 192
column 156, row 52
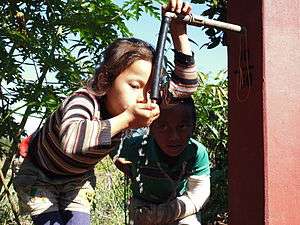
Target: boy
column 169, row 170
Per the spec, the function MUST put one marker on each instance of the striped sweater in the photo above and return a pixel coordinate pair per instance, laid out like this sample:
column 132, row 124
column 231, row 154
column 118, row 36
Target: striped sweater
column 78, row 134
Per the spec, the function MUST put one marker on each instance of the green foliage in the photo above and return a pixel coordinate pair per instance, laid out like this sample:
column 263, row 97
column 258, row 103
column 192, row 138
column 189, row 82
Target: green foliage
column 48, row 48
column 137, row 7
column 211, row 102
column 109, row 202
column 6, row 215
column 216, row 10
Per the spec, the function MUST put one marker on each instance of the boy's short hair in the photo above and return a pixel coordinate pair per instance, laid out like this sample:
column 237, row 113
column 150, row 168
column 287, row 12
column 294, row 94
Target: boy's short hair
column 189, row 102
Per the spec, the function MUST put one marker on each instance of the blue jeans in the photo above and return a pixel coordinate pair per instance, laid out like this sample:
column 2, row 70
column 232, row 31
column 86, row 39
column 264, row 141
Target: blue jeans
column 62, row 218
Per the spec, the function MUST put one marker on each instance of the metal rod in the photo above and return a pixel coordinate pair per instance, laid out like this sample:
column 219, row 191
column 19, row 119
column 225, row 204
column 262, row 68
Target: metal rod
column 200, row 21
column 159, row 54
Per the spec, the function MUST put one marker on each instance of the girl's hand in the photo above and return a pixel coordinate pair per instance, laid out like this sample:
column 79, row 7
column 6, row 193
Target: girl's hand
column 142, row 114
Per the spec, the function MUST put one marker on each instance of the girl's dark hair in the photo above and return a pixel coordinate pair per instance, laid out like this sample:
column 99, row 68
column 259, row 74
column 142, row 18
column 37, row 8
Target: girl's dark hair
column 116, row 58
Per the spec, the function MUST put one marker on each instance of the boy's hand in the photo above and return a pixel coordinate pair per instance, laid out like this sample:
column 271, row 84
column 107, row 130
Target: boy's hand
column 177, row 27
column 155, row 214
column 177, row 6
column 124, row 165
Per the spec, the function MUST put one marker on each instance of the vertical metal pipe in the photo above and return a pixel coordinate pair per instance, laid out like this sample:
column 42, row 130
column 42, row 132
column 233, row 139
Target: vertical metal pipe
column 159, row 55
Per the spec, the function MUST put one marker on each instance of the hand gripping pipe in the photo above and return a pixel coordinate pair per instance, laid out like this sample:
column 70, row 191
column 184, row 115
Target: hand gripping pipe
column 193, row 20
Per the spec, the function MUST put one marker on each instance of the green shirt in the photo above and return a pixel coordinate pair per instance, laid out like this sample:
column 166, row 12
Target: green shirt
column 155, row 176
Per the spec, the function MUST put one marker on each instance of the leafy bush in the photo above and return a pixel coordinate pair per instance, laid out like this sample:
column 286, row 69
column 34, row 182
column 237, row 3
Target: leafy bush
column 211, row 102
column 108, row 206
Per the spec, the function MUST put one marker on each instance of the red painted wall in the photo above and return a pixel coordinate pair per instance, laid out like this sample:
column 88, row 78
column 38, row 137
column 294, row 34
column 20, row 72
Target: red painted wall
column 281, row 52
column 264, row 113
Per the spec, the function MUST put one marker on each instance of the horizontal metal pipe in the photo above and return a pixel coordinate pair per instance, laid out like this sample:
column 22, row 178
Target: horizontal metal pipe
column 200, row 21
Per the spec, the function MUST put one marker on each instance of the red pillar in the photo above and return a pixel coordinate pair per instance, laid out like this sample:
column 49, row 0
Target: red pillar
column 264, row 113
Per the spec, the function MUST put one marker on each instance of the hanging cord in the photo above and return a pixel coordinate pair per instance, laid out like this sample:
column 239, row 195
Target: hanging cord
column 243, row 79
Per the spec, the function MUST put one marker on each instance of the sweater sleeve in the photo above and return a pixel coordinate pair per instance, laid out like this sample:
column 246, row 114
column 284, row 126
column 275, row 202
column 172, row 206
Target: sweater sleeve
column 184, row 80
column 197, row 194
column 81, row 131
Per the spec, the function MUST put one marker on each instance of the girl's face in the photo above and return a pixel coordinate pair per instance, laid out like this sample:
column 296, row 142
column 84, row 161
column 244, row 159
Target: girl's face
column 129, row 87
column 173, row 129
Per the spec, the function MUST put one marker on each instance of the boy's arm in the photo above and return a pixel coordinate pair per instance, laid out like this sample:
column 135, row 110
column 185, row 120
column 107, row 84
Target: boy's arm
column 124, row 155
column 195, row 197
column 188, row 204
column 181, row 207
column 119, row 156
column 198, row 183
column 184, row 79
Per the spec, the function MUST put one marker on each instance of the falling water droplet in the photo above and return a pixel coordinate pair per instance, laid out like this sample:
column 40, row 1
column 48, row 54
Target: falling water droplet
column 141, row 152
column 116, row 156
column 138, row 178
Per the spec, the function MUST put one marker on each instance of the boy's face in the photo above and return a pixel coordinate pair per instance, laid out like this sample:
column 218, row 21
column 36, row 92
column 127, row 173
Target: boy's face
column 129, row 87
column 173, row 129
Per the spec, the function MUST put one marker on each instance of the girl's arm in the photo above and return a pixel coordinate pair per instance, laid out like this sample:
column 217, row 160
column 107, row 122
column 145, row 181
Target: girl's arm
column 82, row 131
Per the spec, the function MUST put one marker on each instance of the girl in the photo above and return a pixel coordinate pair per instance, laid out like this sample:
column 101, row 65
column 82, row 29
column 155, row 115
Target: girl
column 54, row 177
column 169, row 170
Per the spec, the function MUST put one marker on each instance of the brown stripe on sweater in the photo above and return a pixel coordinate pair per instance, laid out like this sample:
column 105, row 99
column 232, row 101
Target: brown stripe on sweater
column 80, row 138
column 66, row 158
